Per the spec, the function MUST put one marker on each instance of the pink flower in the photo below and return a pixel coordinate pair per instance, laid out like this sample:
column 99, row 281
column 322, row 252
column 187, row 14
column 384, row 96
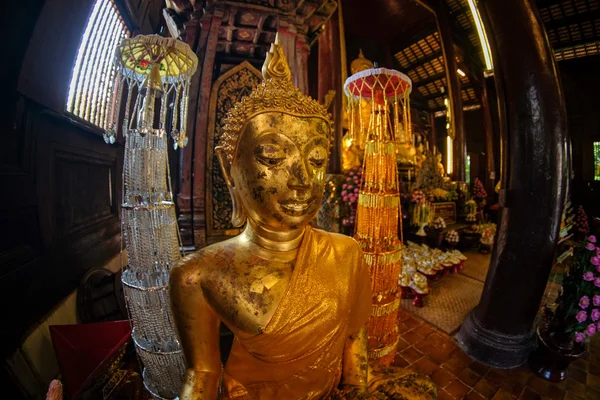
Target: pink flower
column 590, row 247
column 356, row 190
column 592, row 239
column 348, row 179
column 345, row 198
column 344, row 186
column 595, row 314
column 344, row 193
column 591, row 329
column 351, row 173
column 579, row 337
column 598, row 251
column 588, row 276
column 584, row 302
column 581, row 316
column 596, row 300
column 595, row 261
column 597, row 282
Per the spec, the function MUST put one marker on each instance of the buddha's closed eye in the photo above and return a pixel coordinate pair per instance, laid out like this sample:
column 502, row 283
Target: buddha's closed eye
column 269, row 154
column 317, row 156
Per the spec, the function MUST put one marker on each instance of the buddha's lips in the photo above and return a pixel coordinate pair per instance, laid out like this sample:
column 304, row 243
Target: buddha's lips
column 296, row 207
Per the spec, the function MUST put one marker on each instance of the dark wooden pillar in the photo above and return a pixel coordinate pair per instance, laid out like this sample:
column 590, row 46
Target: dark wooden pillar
column 330, row 78
column 432, row 134
column 488, row 130
column 185, row 200
column 459, row 149
column 191, row 199
column 500, row 330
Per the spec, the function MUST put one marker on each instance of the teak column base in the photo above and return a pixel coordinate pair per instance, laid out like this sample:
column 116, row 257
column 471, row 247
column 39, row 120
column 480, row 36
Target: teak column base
column 494, row 348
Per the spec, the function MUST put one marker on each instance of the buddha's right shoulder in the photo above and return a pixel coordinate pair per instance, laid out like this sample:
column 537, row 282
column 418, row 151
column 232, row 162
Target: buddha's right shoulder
column 199, row 264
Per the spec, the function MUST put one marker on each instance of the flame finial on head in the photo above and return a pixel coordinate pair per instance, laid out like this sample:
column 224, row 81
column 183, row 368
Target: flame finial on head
column 276, row 93
column 275, row 65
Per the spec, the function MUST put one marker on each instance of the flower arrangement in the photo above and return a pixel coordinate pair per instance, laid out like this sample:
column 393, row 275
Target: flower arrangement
column 577, row 316
column 351, row 187
column 471, row 210
column 422, row 215
column 487, row 232
column 440, row 194
column 438, row 223
column 581, row 221
column 418, row 197
column 470, row 207
column 479, row 192
column 452, row 237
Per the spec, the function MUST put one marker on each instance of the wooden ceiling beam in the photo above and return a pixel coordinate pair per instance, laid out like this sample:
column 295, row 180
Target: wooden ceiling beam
column 414, row 39
column 433, row 56
column 442, row 95
column 430, row 79
column 573, row 19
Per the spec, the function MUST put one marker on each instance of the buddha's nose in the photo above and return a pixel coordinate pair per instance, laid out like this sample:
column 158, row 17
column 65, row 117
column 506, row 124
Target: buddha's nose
column 299, row 178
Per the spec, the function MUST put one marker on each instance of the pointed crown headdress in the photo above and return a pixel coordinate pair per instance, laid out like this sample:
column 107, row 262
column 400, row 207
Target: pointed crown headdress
column 276, row 93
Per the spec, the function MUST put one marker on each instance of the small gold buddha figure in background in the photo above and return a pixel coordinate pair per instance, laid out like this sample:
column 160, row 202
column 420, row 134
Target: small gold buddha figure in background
column 440, row 165
column 296, row 298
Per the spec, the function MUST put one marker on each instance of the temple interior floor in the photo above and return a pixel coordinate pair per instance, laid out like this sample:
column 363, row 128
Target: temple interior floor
column 434, row 352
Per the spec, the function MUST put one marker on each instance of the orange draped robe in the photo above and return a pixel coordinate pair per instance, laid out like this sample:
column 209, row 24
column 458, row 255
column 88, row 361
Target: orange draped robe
column 299, row 353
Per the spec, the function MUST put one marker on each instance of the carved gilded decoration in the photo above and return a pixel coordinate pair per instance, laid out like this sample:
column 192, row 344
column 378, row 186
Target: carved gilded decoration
column 227, row 90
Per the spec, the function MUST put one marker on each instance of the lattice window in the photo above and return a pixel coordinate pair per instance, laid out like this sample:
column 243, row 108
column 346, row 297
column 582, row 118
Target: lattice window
column 92, row 87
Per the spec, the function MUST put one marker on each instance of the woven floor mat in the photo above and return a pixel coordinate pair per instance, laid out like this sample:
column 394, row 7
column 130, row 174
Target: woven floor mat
column 448, row 302
column 477, row 265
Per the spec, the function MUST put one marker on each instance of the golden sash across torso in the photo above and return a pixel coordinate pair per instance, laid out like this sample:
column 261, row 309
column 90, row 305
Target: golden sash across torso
column 299, row 354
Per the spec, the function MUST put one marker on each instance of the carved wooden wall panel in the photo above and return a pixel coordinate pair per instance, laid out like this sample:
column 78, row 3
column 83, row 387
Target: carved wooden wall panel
column 228, row 89
column 60, row 213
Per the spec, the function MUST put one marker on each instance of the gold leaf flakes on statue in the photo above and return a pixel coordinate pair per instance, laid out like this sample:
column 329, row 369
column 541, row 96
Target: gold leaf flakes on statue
column 266, row 281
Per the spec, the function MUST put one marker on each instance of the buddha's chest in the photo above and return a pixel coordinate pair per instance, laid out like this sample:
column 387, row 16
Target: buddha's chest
column 247, row 294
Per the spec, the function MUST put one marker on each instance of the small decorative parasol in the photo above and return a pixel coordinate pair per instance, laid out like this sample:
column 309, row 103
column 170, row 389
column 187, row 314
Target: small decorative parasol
column 387, row 91
column 152, row 67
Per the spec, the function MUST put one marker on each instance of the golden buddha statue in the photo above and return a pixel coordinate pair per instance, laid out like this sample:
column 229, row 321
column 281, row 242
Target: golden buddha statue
column 440, row 165
column 296, row 298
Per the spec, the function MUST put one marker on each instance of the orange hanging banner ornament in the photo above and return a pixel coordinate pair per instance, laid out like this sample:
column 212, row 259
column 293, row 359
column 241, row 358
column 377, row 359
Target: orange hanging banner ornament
column 378, row 218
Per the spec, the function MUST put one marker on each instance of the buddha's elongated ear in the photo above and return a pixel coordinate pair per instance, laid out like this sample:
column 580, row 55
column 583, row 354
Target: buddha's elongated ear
column 238, row 213
column 225, row 165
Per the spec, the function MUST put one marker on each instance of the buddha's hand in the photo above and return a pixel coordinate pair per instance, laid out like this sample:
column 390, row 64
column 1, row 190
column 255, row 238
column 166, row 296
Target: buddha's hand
column 351, row 392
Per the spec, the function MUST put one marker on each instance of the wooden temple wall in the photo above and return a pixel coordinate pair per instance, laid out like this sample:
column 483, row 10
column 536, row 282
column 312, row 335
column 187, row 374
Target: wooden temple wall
column 61, row 185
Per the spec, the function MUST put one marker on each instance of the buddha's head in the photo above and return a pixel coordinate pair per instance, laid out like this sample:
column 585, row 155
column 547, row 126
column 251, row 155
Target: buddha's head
column 274, row 151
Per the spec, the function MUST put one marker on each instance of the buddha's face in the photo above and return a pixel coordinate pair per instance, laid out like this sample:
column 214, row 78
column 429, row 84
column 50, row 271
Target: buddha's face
column 279, row 169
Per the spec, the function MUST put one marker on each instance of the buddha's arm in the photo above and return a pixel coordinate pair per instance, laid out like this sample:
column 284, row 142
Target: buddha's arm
column 198, row 328
column 355, row 361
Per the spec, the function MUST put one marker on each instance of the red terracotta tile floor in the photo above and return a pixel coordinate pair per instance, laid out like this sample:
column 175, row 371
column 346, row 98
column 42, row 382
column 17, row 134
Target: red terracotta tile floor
column 457, row 376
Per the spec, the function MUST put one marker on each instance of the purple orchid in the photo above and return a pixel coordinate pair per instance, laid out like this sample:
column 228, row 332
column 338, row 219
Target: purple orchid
column 591, row 329
column 581, row 316
column 590, row 247
column 584, row 302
